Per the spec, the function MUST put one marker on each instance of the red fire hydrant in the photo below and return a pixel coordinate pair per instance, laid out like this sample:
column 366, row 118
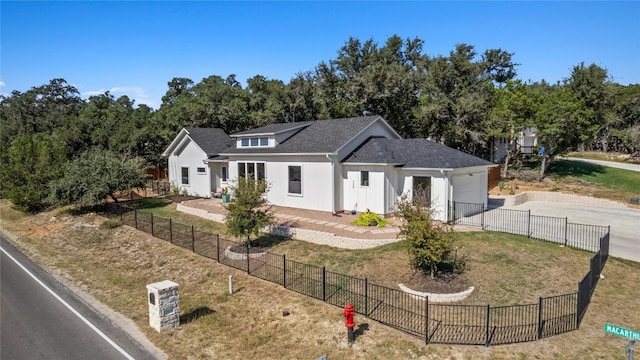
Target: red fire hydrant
column 348, row 315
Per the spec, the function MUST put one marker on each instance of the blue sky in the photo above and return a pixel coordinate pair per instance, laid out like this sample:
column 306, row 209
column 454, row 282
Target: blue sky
column 135, row 48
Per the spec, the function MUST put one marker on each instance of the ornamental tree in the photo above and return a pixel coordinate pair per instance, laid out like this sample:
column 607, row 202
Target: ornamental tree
column 249, row 212
column 429, row 242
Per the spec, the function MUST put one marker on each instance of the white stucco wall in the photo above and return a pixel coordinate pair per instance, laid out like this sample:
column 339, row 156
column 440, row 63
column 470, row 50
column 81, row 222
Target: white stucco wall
column 192, row 156
column 439, row 189
column 315, row 182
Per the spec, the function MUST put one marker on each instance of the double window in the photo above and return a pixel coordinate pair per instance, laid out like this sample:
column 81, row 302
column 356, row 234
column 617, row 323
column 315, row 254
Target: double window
column 185, row 176
column 295, row 180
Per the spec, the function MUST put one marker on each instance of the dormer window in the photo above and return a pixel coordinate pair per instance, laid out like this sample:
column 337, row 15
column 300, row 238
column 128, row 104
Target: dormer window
column 255, row 142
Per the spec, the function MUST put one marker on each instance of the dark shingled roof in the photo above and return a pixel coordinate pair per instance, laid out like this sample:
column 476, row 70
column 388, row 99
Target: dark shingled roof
column 320, row 136
column 413, row 153
column 212, row 141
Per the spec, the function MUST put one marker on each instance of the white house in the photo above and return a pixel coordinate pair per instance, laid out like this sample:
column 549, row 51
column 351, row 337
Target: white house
column 189, row 161
column 331, row 165
column 526, row 141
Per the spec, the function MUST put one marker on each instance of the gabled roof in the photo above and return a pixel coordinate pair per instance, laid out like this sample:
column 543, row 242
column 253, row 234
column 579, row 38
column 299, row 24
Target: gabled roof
column 212, row 141
column 320, row 136
column 413, row 153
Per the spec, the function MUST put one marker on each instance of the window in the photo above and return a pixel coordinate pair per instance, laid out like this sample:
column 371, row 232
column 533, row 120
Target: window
column 260, row 171
column 364, row 178
column 224, row 174
column 422, row 188
column 253, row 169
column 185, row 176
column 295, row 180
column 201, row 171
column 255, row 142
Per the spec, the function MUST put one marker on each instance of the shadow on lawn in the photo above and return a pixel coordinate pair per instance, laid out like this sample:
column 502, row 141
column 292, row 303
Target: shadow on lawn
column 564, row 168
column 195, row 314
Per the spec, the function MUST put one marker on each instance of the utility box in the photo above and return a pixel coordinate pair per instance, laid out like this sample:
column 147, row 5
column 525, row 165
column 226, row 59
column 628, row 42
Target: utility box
column 164, row 305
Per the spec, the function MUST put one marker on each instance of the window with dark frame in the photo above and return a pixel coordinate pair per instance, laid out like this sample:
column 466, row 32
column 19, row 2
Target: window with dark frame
column 364, row 178
column 224, row 174
column 201, row 170
column 185, row 176
column 295, row 180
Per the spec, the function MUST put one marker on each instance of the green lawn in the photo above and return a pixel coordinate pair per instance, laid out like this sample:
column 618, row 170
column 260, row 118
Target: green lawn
column 611, row 178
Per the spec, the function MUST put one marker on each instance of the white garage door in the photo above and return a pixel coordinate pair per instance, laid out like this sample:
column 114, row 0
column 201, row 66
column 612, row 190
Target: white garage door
column 469, row 189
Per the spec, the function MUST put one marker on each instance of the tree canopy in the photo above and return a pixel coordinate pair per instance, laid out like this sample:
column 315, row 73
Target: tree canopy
column 466, row 99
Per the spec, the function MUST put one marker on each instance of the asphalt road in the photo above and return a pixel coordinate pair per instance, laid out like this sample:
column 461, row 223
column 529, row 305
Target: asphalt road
column 42, row 319
column 624, row 241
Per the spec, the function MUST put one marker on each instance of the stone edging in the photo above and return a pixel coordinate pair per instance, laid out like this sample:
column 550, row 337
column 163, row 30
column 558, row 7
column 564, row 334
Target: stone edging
column 438, row 298
column 550, row 196
column 241, row 256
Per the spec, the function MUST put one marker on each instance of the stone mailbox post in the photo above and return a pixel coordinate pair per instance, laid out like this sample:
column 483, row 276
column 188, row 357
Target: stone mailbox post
column 164, row 305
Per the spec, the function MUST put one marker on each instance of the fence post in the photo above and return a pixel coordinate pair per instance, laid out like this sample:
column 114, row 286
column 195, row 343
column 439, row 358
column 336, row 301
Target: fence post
column 218, row 247
column 366, row 296
column 487, row 328
column 540, row 318
column 284, row 271
column 324, row 284
column 152, row 232
column 426, row 320
column 566, row 231
column 482, row 220
column 193, row 240
column 121, row 211
column 248, row 265
column 529, row 224
column 170, row 231
column 135, row 217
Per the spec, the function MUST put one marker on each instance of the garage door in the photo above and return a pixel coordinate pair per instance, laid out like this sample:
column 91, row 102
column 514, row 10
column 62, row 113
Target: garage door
column 469, row 188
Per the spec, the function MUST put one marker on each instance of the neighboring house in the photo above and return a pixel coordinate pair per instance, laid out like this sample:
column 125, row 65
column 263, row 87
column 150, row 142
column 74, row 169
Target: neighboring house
column 338, row 165
column 526, row 142
column 190, row 163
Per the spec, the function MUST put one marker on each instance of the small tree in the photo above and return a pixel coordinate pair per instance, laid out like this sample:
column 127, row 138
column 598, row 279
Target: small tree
column 429, row 242
column 249, row 212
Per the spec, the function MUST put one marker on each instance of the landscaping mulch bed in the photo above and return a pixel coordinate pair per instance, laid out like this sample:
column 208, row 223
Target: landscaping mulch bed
column 443, row 283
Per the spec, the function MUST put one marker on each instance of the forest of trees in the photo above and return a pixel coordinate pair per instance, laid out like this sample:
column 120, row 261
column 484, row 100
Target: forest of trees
column 464, row 100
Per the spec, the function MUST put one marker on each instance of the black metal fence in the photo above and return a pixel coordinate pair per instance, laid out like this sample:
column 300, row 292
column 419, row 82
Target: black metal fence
column 414, row 314
column 521, row 222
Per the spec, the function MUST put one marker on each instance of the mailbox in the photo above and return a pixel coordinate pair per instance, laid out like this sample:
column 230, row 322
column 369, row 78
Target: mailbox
column 164, row 305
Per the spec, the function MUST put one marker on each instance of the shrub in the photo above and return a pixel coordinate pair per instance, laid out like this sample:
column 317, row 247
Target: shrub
column 501, row 185
column 370, row 218
column 111, row 223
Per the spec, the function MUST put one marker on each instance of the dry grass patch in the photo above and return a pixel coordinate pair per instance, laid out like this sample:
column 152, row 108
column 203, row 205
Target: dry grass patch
column 114, row 266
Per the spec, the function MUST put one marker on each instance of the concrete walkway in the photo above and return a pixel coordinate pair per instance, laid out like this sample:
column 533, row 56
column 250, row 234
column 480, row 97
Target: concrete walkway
column 619, row 165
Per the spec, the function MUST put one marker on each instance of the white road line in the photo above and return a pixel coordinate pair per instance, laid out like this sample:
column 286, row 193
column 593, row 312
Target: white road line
column 76, row 313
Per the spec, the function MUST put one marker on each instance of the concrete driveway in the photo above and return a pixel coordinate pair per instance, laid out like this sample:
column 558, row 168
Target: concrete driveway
column 625, row 223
